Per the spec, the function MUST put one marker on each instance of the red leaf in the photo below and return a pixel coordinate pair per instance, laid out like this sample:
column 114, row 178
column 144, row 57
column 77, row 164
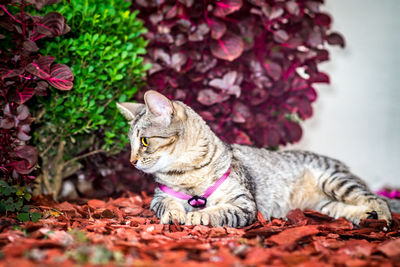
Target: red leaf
column 218, row 28
column 178, row 60
column 28, row 153
column 61, row 77
column 227, row 83
column 315, row 38
column 281, row 36
column 208, row 97
column 35, row 69
column 293, row 131
column 53, row 24
column 40, row 3
column 198, row 35
column 226, row 7
column 336, row 39
column 293, row 8
column 30, row 46
column 322, row 19
column 229, row 47
column 21, row 167
column 241, row 137
column 26, row 94
column 22, row 112
column 271, row 137
column 240, row 113
column 319, row 77
column 273, row 69
column 44, row 62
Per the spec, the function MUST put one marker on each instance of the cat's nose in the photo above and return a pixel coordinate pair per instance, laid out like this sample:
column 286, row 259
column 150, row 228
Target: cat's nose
column 133, row 162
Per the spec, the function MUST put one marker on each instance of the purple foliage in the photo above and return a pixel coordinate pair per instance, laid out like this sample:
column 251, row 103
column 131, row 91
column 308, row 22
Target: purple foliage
column 24, row 72
column 248, row 67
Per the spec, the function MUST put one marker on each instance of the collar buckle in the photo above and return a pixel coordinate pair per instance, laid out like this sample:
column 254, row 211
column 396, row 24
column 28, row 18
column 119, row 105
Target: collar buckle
column 197, row 202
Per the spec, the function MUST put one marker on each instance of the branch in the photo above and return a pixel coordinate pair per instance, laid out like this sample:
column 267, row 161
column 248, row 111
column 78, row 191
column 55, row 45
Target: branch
column 84, row 156
column 40, row 115
column 49, row 146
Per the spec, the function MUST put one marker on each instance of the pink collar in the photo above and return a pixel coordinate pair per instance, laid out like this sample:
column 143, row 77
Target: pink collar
column 196, row 201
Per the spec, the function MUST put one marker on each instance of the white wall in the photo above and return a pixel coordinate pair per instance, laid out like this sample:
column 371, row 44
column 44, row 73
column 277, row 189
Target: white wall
column 357, row 116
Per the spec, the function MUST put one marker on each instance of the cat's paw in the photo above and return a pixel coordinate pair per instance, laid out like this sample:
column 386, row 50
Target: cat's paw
column 170, row 215
column 381, row 214
column 197, row 217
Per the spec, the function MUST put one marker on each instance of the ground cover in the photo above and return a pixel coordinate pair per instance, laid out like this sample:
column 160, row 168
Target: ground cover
column 123, row 231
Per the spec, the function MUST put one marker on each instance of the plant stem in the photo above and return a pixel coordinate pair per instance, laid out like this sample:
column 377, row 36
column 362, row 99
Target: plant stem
column 84, row 156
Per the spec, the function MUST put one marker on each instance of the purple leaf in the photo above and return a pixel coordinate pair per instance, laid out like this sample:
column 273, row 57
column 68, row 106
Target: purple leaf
column 293, row 8
column 271, row 137
column 304, row 108
column 281, row 36
column 198, row 35
column 23, row 136
column 292, row 131
column 229, row 47
column 187, row 3
column 227, row 83
column 178, row 60
column 28, row 153
column 61, row 77
column 22, row 167
column 37, row 71
column 335, row 39
column 273, row 69
column 322, row 19
column 319, row 77
column 44, row 62
column 241, row 137
column 275, row 12
column 240, row 113
column 208, row 97
column 26, row 94
column 30, row 46
column 40, row 3
column 41, row 88
column 315, row 38
column 226, row 7
column 22, row 112
column 53, row 24
column 218, row 28
column 7, row 123
column 160, row 54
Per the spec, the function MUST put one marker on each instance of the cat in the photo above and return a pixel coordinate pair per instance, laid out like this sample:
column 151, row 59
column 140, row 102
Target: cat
column 173, row 143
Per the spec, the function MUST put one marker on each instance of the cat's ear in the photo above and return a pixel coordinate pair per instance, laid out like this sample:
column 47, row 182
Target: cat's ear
column 159, row 106
column 130, row 110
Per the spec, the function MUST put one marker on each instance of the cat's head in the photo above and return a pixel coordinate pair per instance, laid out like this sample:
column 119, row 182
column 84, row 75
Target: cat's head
column 156, row 128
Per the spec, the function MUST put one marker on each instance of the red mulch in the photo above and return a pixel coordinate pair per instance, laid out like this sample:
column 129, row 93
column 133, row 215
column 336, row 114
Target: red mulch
column 124, row 232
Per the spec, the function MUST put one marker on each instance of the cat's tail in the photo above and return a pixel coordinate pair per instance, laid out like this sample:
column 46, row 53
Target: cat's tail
column 394, row 204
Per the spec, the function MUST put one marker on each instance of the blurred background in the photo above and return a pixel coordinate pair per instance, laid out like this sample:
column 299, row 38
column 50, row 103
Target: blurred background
column 357, row 117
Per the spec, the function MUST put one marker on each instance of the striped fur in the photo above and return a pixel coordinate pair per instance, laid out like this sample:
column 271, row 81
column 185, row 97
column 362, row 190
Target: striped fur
column 184, row 154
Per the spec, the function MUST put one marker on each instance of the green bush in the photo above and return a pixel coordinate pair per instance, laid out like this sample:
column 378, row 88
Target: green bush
column 103, row 51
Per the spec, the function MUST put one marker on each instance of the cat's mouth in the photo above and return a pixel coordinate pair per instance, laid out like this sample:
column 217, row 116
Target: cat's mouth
column 157, row 166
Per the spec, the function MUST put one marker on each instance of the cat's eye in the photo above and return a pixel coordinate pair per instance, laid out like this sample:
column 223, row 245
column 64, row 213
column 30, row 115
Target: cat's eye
column 145, row 141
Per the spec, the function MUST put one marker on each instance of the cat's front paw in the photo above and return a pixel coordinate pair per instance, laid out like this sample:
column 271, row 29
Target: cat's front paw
column 377, row 215
column 170, row 215
column 197, row 217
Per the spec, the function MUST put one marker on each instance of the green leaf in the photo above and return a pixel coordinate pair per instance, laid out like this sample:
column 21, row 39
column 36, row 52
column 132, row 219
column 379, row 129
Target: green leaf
column 25, row 208
column 23, row 216
column 28, row 196
column 35, row 216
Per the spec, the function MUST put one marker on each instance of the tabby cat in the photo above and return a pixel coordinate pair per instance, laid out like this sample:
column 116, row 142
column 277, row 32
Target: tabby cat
column 174, row 144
